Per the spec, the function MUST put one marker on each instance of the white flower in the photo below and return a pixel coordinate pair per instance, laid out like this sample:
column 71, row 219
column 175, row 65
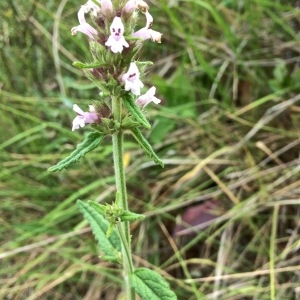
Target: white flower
column 146, row 32
column 148, row 97
column 132, row 80
column 83, row 117
column 83, row 26
column 116, row 40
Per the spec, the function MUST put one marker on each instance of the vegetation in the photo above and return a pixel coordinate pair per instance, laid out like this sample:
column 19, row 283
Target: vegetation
column 227, row 131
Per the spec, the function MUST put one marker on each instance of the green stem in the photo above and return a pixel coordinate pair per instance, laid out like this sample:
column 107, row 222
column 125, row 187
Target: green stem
column 123, row 228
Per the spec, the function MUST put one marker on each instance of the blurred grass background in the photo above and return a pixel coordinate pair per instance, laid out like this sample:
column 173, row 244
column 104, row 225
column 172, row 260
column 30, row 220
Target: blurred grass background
column 228, row 132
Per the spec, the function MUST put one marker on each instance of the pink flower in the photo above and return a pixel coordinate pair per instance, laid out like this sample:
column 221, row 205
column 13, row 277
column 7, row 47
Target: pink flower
column 148, row 97
column 106, row 7
column 132, row 80
column 146, row 32
column 116, row 40
column 83, row 26
column 130, row 6
column 84, row 117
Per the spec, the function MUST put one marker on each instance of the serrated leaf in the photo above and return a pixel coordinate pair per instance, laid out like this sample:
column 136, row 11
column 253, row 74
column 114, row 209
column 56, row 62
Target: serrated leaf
column 130, row 216
column 136, row 111
column 101, row 209
column 81, row 65
column 91, row 141
column 110, row 246
column 146, row 146
column 150, row 285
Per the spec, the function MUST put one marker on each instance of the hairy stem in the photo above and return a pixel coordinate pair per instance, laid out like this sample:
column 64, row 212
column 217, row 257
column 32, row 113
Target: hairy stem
column 123, row 228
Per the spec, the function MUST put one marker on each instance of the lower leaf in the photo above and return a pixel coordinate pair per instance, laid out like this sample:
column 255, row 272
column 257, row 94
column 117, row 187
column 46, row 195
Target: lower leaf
column 150, row 285
column 111, row 245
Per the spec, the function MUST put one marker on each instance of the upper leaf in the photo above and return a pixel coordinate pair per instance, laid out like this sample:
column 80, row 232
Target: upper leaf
column 130, row 216
column 111, row 245
column 91, row 141
column 135, row 111
column 150, row 285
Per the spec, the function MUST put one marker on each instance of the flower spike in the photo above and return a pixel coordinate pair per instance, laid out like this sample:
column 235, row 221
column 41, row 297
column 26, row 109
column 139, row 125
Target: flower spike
column 132, row 80
column 116, row 40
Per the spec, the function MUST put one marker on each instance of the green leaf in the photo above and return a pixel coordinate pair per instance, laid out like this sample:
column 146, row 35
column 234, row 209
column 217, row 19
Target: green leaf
column 108, row 211
column 112, row 259
column 91, row 141
column 110, row 246
column 100, row 208
column 81, row 65
column 136, row 111
column 146, row 146
column 150, row 285
column 130, row 216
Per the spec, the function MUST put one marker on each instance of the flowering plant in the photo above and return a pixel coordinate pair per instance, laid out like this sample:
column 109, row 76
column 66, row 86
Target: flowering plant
column 118, row 72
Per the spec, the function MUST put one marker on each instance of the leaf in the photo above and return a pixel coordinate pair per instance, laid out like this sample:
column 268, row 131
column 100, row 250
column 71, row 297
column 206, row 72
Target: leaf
column 100, row 208
column 112, row 259
column 81, row 65
column 110, row 246
column 136, row 111
column 130, row 216
column 150, row 285
column 115, row 212
column 146, row 146
column 91, row 141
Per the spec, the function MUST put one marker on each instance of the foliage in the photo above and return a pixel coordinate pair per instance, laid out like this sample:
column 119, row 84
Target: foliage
column 228, row 130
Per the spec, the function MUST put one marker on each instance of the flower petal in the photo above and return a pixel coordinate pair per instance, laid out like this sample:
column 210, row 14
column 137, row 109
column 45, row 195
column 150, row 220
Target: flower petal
column 148, row 97
column 86, row 29
column 84, row 117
